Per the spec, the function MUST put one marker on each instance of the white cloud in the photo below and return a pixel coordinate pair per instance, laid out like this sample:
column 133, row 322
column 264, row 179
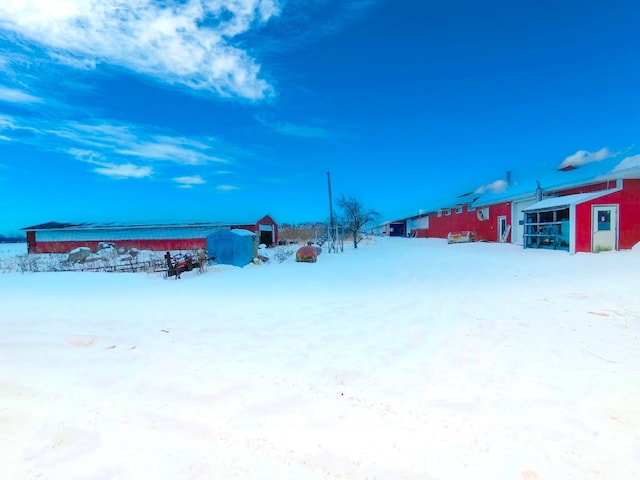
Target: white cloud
column 121, row 171
column 305, row 131
column 582, row 157
column 85, row 155
column 12, row 123
column 170, row 150
column 226, row 188
column 628, row 162
column 189, row 181
column 7, row 122
column 126, row 170
column 296, row 130
column 140, row 142
column 188, row 42
column 118, row 149
column 494, row 187
column 12, row 95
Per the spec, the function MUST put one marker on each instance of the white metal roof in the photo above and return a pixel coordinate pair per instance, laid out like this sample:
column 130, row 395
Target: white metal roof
column 555, row 203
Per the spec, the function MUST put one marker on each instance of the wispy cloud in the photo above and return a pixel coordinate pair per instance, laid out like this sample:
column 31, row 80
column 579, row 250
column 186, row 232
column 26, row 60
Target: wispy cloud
column 227, row 188
column 117, row 149
column 104, row 138
column 85, row 155
column 494, row 187
column 189, row 181
column 297, row 130
column 7, row 123
column 141, row 142
column 305, row 131
column 122, row 171
column 119, row 171
column 13, row 124
column 192, row 43
column 582, row 157
column 12, row 95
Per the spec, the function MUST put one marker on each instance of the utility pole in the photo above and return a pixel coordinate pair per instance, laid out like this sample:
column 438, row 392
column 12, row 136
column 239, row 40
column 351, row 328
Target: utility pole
column 330, row 202
column 333, row 236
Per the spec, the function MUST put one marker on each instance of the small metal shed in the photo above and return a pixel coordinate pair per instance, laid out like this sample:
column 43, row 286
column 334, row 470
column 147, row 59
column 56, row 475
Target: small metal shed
column 236, row 247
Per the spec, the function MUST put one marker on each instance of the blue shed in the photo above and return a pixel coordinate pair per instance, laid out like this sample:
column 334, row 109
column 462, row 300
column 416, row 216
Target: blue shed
column 232, row 247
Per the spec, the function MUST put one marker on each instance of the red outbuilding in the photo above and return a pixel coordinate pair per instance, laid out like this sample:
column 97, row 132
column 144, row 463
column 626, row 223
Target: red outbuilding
column 588, row 216
column 54, row 237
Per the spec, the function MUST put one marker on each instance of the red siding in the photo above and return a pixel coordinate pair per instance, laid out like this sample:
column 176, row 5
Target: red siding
column 628, row 200
column 31, row 241
column 629, row 214
column 156, row 245
column 582, row 221
column 487, row 230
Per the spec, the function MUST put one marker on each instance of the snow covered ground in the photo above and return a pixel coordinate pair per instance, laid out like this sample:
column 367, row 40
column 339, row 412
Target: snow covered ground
column 405, row 358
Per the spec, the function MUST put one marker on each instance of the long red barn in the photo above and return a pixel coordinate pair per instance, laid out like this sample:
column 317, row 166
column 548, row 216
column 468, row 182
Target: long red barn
column 589, row 217
column 56, row 237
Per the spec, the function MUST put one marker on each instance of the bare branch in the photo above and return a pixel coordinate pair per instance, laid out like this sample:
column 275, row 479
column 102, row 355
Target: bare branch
column 355, row 216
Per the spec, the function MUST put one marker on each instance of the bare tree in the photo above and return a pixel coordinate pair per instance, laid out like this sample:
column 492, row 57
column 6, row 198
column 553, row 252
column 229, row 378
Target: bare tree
column 355, row 216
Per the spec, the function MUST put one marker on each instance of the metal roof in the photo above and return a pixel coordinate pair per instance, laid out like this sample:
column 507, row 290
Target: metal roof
column 556, row 203
column 116, row 225
column 552, row 180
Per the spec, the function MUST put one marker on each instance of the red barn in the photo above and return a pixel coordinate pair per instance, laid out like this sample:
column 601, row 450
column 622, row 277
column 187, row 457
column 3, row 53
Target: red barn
column 56, row 237
column 591, row 216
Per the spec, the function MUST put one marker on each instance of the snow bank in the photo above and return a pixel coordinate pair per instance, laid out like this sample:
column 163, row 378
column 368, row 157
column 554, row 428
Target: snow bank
column 405, row 358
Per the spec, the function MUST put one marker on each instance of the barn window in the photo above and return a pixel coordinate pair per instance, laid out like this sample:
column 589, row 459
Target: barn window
column 447, row 211
column 458, row 209
column 604, row 220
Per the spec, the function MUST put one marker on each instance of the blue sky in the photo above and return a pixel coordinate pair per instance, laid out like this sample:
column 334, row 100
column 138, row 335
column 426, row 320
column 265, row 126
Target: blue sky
column 226, row 110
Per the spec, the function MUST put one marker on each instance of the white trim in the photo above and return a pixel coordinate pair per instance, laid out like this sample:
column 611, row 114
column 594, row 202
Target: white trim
column 501, row 233
column 572, row 228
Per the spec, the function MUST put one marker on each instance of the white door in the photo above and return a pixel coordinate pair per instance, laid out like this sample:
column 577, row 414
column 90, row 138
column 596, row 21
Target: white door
column 503, row 232
column 517, row 229
column 605, row 228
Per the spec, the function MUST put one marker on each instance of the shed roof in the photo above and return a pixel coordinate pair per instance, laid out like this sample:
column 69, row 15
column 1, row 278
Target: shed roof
column 243, row 232
column 121, row 225
column 237, row 232
column 555, row 203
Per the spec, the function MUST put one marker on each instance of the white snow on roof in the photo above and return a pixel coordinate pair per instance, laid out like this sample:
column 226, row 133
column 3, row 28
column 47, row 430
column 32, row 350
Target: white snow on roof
column 242, row 231
column 567, row 200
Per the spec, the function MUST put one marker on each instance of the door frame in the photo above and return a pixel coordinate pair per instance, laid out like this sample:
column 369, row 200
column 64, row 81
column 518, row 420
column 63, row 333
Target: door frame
column 615, row 224
column 501, row 231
